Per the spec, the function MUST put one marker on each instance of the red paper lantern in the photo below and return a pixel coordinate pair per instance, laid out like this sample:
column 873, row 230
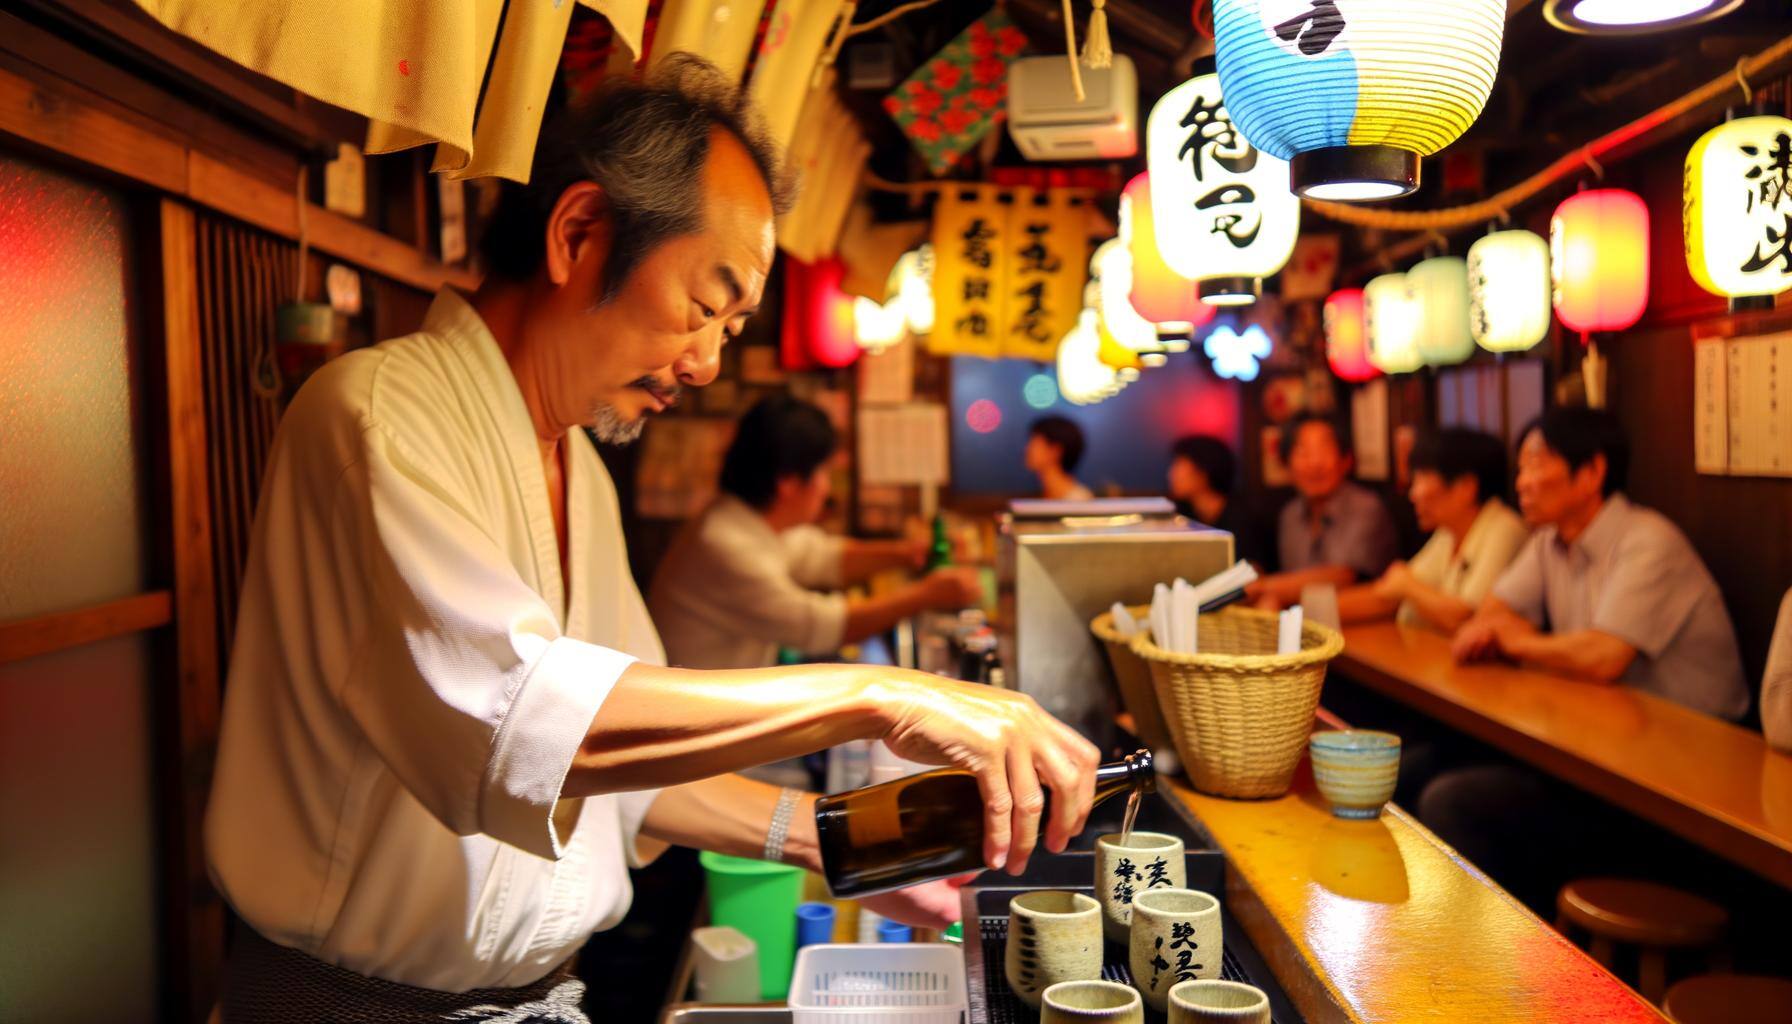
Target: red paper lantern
column 1160, row 295
column 1599, row 259
column 818, row 317
column 1347, row 336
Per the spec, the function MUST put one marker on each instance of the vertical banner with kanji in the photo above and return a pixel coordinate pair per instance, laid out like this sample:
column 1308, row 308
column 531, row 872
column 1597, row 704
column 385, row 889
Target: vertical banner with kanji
column 1048, row 264
column 971, row 252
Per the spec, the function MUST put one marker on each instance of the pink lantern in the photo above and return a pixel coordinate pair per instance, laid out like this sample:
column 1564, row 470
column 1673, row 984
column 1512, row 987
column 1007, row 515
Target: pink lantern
column 1347, row 336
column 1599, row 259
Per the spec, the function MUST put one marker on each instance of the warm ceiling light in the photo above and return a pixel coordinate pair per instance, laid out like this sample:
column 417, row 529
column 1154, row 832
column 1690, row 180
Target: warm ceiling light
column 1632, row 17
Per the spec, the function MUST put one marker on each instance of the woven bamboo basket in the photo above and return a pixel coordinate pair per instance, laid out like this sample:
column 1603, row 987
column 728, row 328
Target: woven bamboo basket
column 1240, row 713
column 1138, row 694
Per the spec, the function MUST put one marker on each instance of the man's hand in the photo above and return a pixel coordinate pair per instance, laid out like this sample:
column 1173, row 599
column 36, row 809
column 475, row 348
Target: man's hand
column 1477, row 640
column 928, row 905
column 954, row 587
column 1015, row 749
column 1392, row 585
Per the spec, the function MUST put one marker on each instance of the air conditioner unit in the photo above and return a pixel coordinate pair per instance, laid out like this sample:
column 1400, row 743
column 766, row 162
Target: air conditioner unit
column 1048, row 123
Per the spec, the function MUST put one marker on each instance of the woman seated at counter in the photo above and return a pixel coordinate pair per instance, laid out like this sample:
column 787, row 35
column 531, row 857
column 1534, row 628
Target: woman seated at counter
column 1457, row 478
column 754, row 573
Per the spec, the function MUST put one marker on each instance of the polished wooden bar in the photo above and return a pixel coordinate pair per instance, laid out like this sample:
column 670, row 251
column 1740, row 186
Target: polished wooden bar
column 1717, row 784
column 1380, row 921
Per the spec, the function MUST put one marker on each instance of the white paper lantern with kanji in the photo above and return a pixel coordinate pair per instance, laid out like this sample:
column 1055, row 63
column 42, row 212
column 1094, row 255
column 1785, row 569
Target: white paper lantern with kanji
column 1738, row 207
column 1223, row 211
column 1508, row 291
column 1394, row 318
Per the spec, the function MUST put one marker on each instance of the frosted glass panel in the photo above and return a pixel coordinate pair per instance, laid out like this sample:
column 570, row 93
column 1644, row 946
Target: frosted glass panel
column 71, row 528
column 77, row 851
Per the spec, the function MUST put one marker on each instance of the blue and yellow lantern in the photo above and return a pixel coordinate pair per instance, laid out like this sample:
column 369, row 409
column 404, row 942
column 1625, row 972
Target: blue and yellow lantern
column 1353, row 92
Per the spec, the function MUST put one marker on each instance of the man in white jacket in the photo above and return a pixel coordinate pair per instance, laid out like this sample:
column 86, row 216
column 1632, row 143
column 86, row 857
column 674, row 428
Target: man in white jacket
column 446, row 728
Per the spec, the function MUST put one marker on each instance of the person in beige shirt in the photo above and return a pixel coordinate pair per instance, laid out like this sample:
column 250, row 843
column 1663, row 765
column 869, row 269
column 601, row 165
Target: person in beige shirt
column 1054, row 448
column 754, row 573
column 1605, row 590
column 1457, row 478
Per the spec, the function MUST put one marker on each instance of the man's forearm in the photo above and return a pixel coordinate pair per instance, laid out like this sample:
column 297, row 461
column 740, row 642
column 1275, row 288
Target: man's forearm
column 731, row 814
column 662, row 727
column 863, row 559
column 1285, row 586
column 1585, row 653
column 868, row 616
column 1438, row 608
column 1363, row 603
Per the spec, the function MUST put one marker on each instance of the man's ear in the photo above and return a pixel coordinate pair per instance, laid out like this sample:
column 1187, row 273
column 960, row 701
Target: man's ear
column 580, row 227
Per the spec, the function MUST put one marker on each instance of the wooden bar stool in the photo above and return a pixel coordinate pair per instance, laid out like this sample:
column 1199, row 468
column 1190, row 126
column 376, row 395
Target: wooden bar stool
column 1730, row 999
column 1656, row 919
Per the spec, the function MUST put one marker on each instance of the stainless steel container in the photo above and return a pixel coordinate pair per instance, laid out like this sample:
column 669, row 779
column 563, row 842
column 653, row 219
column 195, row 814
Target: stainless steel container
column 1060, row 566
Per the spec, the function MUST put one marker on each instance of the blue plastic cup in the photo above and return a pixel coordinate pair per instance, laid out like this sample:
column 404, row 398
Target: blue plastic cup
column 814, row 924
column 894, row 931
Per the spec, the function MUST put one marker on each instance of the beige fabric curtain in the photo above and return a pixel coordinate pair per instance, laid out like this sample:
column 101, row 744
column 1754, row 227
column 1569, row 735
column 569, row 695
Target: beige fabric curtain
column 828, row 155
column 721, row 31
column 785, row 70
column 414, row 68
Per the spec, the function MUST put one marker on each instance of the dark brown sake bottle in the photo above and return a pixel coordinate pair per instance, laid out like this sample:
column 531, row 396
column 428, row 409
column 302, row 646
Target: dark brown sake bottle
column 927, row 826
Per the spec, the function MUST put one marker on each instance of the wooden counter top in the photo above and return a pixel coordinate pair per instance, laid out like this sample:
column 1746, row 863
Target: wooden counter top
column 1715, row 783
column 1379, row 921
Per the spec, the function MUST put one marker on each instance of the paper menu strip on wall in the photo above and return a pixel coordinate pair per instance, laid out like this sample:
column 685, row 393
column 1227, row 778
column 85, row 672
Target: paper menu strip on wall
column 903, row 444
column 1710, row 408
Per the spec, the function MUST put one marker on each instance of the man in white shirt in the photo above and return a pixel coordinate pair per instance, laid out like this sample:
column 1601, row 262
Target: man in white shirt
column 754, row 573
column 1457, row 478
column 445, row 721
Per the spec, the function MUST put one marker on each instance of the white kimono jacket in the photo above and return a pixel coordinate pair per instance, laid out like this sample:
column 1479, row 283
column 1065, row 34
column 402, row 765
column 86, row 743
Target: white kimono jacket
column 411, row 680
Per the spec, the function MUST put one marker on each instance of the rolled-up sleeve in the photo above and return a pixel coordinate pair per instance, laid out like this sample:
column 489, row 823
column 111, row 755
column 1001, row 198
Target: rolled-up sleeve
column 462, row 682
column 815, row 556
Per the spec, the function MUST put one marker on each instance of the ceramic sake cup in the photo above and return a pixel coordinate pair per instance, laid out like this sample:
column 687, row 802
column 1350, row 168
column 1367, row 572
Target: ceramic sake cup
column 1355, row 769
column 1149, row 860
column 1218, row 1002
column 1176, row 937
column 1091, row 1002
column 1053, row 937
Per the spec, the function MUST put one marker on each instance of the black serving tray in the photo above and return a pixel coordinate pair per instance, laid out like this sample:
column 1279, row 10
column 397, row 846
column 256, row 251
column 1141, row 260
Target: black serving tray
column 986, row 899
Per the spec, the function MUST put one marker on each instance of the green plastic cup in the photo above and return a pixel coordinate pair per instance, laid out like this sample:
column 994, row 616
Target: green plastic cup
column 758, row 898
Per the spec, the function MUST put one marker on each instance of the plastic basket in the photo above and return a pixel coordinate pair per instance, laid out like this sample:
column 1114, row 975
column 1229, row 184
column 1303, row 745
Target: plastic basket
column 1241, row 713
column 1138, row 695
column 909, row 983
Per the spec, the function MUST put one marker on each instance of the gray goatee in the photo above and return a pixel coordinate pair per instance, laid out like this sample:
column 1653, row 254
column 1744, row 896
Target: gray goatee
column 608, row 426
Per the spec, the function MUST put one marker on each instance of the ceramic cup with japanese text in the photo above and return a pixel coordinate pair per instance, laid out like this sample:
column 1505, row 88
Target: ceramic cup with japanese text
column 1053, row 936
column 1148, row 860
column 1176, row 937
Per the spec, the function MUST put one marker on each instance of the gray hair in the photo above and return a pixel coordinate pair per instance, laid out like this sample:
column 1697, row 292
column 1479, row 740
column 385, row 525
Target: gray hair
column 644, row 143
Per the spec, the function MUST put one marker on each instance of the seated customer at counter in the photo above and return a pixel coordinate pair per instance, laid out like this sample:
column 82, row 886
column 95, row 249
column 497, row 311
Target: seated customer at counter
column 1457, row 478
column 1202, row 472
column 1776, row 682
column 754, row 572
column 1605, row 590
column 1054, row 447
column 1333, row 531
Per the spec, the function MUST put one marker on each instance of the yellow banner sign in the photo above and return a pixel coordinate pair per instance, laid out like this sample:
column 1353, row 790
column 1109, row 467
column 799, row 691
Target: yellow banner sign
column 1009, row 270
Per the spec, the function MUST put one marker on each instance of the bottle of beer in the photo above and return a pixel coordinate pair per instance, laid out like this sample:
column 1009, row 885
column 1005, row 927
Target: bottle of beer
column 926, row 826
column 939, row 555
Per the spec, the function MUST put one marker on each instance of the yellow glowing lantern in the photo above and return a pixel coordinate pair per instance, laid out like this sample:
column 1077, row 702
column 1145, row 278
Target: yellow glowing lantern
column 1083, row 379
column 1508, row 291
column 1440, row 285
column 1116, row 318
column 1738, row 207
column 1395, row 318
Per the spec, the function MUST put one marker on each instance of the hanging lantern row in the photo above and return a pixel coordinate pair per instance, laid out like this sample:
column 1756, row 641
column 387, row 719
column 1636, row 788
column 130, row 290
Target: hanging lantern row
column 1347, row 337
column 1509, row 290
column 1159, row 293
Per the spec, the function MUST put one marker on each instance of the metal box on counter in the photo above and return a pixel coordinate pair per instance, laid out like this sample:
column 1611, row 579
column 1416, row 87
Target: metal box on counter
column 1063, row 563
